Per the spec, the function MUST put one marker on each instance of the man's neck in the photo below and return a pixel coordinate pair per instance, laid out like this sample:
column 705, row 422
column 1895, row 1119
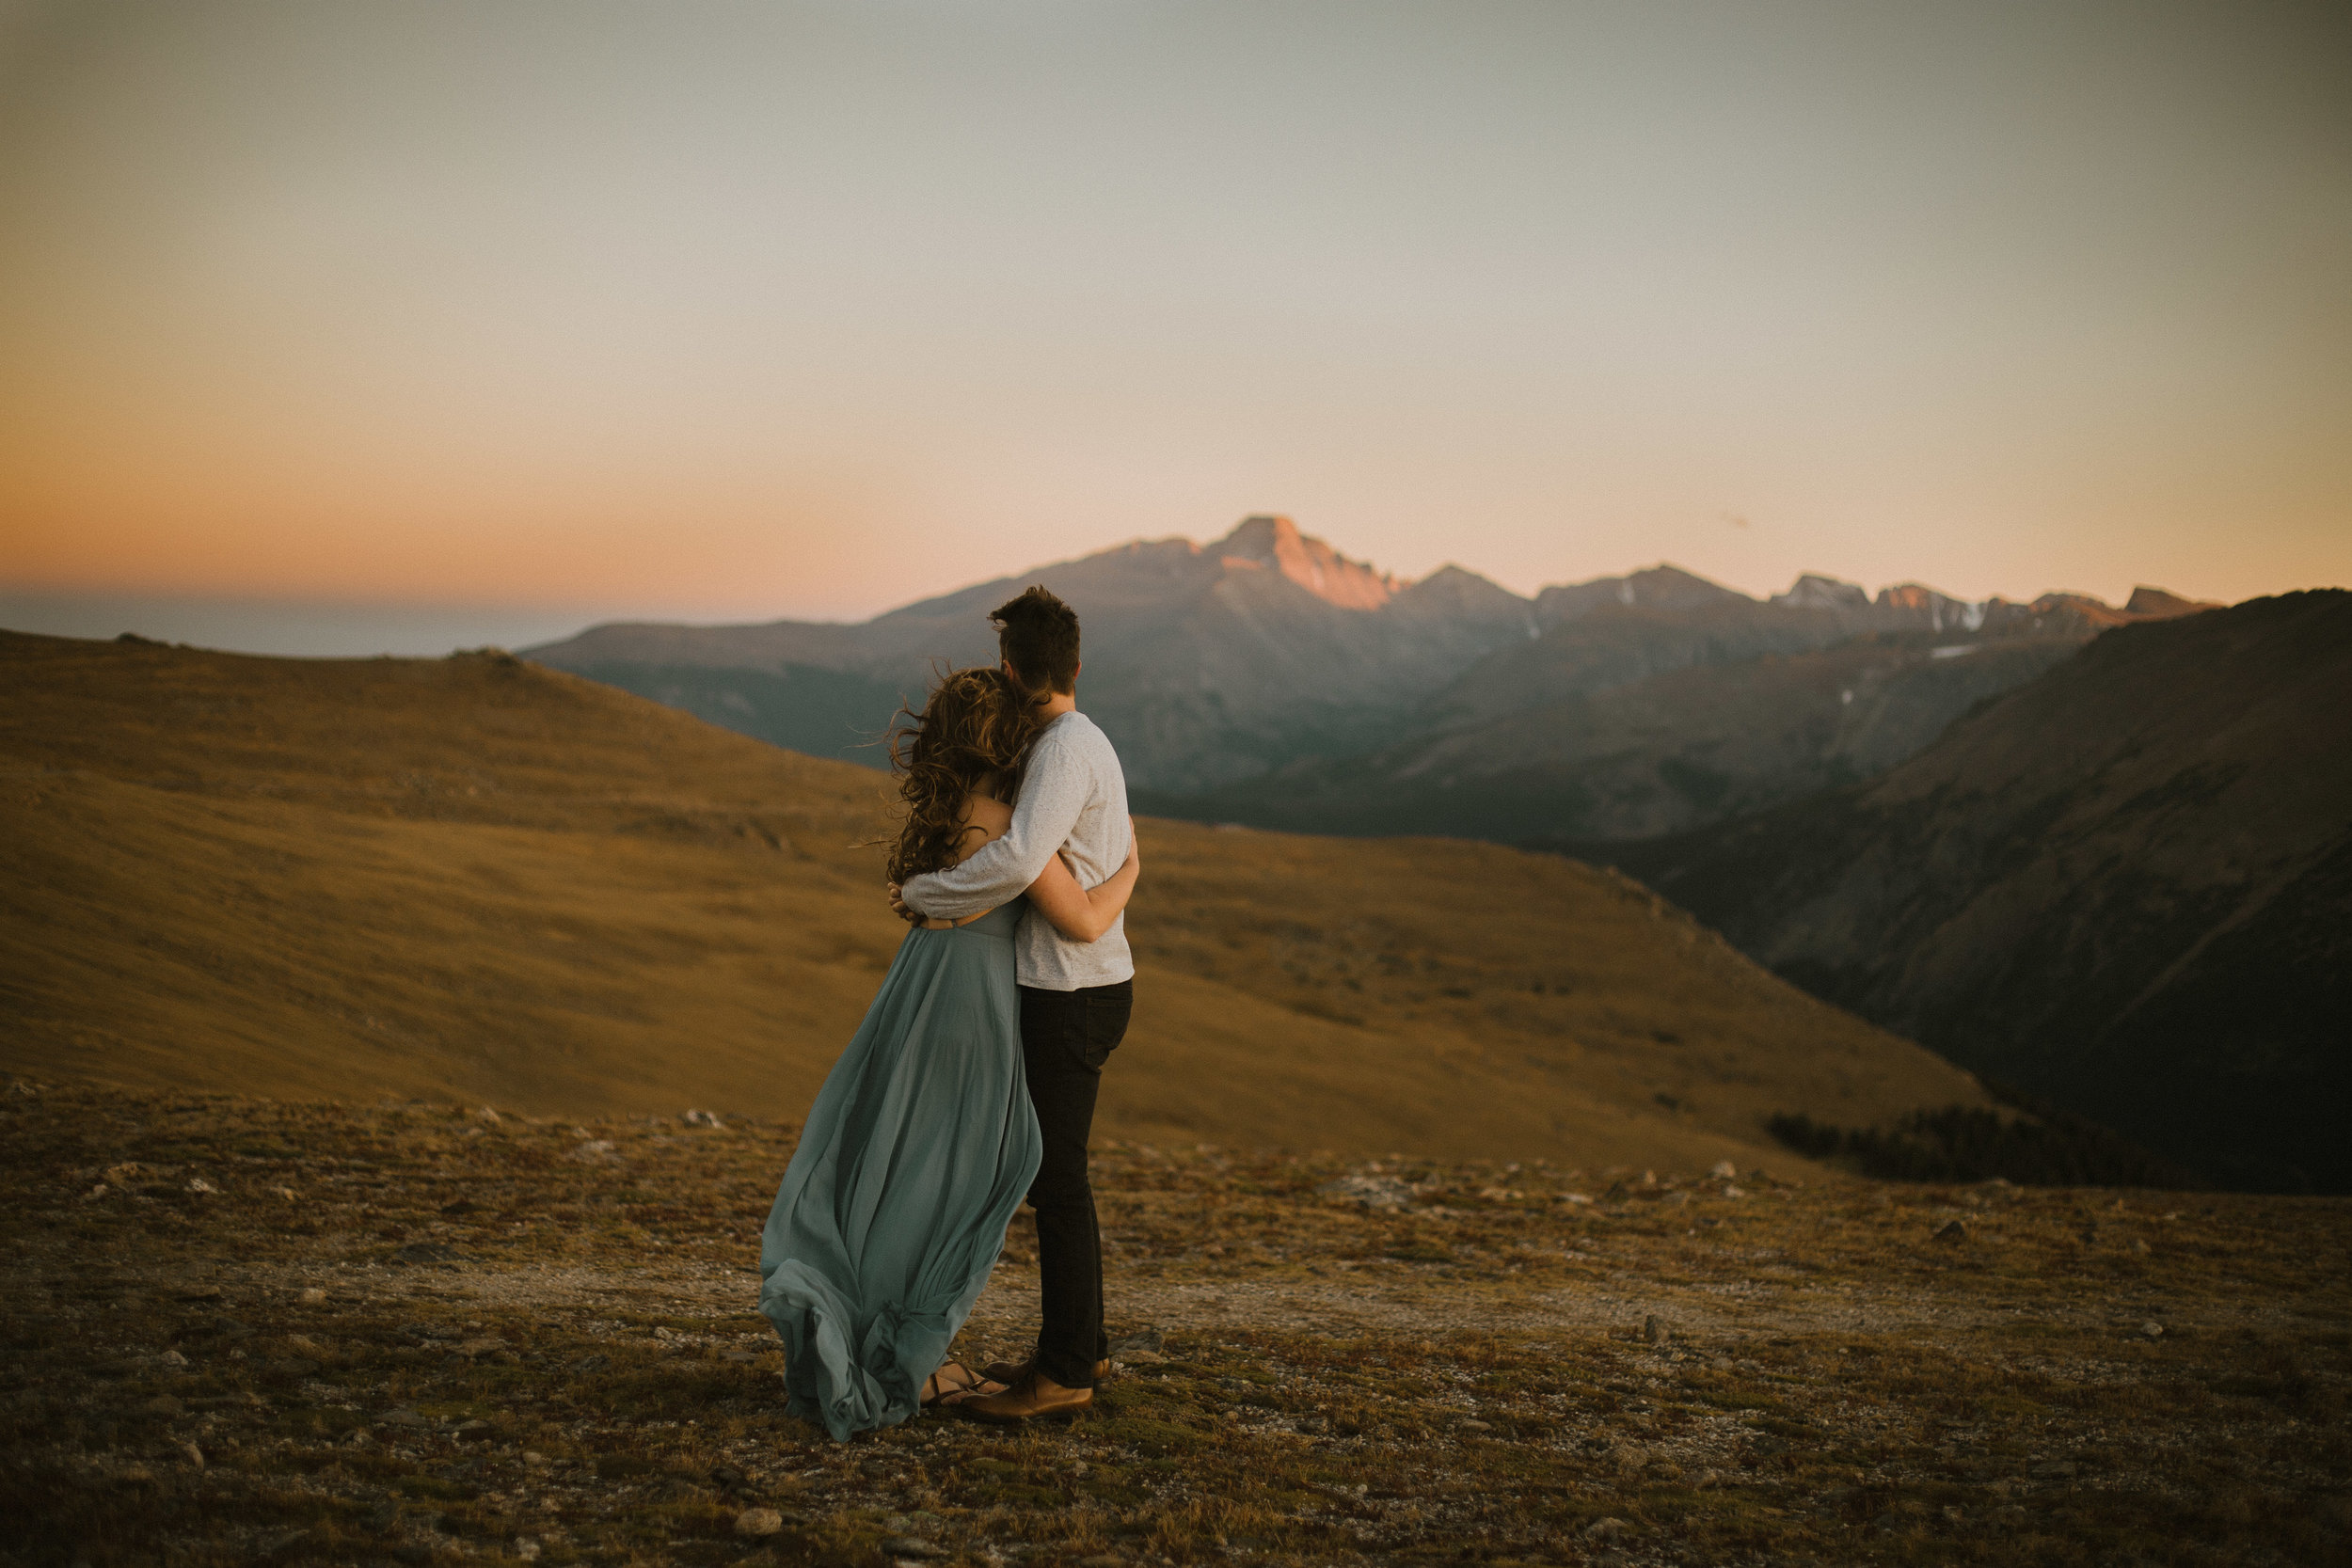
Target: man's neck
column 1057, row 703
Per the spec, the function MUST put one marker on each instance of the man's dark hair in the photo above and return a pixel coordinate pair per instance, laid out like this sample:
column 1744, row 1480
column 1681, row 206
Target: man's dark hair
column 1038, row 635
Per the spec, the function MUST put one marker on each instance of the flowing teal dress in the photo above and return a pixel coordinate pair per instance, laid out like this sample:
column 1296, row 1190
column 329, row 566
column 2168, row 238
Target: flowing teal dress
column 892, row 1210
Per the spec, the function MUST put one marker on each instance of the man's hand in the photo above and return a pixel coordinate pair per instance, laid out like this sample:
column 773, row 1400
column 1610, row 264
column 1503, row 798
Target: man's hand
column 898, row 908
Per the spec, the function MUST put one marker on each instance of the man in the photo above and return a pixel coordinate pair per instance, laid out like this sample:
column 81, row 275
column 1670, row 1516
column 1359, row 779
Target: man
column 1076, row 997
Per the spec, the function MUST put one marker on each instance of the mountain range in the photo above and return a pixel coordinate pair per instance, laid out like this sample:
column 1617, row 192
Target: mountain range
column 1268, row 679
column 2125, row 887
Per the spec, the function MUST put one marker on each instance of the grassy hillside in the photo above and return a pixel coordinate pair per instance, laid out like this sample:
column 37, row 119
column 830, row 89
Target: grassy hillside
column 477, row 878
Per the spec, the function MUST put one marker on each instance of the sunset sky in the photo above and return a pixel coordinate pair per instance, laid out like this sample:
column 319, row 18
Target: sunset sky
column 530, row 313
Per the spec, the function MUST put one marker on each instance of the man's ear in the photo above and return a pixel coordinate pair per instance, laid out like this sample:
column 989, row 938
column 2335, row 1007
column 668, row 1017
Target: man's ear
column 1006, row 665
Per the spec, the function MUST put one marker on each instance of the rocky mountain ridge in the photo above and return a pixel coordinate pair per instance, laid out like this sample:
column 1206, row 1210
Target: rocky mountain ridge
column 1214, row 666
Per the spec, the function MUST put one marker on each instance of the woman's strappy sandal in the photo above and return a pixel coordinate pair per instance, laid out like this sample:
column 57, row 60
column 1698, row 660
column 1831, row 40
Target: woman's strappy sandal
column 952, row 1384
column 955, row 1382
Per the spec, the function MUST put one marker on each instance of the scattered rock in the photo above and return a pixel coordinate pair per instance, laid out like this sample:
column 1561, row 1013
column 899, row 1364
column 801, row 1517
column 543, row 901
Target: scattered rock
column 487, row 1116
column 596, row 1152
column 405, row 1417
column 1147, row 1341
column 1952, row 1230
column 1724, row 1170
column 99, row 1191
column 285, row 1195
column 201, row 1185
column 468, row 1432
column 1576, row 1197
column 312, row 1296
column 1471, row 1424
column 755, row 1524
column 1373, row 1192
column 1735, row 1192
column 193, row 1454
column 2152, row 1330
column 701, row 1119
column 173, row 1361
column 1606, row 1529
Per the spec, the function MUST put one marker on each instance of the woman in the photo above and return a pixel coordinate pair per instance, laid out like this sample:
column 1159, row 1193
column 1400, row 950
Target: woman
column 922, row 1141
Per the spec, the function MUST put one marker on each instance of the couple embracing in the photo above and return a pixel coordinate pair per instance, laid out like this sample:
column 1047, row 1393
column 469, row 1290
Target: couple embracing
column 971, row 1084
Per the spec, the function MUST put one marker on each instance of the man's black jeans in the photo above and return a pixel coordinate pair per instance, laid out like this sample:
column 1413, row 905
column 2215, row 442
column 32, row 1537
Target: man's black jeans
column 1066, row 1035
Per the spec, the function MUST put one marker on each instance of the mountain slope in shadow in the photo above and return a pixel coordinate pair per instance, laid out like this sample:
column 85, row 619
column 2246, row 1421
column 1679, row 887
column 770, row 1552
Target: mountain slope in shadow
column 2125, row 887
column 477, row 878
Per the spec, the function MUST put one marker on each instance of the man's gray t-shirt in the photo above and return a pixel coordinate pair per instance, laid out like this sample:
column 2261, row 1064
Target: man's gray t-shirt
column 1073, row 798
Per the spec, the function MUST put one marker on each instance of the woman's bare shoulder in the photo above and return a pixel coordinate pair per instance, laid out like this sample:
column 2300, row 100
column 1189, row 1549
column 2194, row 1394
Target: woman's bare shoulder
column 984, row 818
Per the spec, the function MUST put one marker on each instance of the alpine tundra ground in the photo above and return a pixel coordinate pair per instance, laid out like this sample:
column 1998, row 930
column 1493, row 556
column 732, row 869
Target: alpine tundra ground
column 240, row 1331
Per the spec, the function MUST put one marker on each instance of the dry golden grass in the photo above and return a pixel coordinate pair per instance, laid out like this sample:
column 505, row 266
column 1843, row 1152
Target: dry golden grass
column 477, row 880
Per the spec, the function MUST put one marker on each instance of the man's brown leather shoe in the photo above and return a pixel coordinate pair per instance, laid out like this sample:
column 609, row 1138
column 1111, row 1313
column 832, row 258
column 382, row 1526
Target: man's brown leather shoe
column 1035, row 1397
column 1011, row 1372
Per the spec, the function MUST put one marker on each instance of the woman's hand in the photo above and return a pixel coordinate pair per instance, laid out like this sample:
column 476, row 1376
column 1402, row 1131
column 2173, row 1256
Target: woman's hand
column 1081, row 913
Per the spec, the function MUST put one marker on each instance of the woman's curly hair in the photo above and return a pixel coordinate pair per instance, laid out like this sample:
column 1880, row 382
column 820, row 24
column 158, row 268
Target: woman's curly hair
column 977, row 725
